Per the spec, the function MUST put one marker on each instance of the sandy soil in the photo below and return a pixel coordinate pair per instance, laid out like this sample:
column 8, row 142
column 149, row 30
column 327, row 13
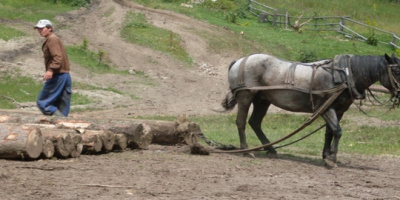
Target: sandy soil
column 168, row 172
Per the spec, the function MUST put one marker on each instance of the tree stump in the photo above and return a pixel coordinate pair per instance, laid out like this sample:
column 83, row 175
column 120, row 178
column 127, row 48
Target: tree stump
column 20, row 142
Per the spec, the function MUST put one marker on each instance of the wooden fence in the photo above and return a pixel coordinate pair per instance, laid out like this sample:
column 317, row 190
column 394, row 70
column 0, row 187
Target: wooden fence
column 342, row 24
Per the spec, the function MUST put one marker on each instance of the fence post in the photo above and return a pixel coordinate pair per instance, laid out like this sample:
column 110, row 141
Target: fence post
column 394, row 41
column 275, row 17
column 341, row 23
column 286, row 19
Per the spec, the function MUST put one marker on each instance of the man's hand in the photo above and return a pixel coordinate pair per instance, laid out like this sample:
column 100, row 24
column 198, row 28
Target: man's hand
column 48, row 75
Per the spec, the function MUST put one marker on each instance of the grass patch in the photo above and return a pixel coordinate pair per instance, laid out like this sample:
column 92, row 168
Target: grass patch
column 19, row 89
column 137, row 30
column 7, row 33
column 371, row 140
column 32, row 10
column 92, row 61
column 288, row 44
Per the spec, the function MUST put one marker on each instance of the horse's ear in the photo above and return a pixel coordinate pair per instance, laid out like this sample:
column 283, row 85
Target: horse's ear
column 388, row 58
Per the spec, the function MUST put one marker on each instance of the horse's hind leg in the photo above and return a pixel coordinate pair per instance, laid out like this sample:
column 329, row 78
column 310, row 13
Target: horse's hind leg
column 244, row 99
column 259, row 111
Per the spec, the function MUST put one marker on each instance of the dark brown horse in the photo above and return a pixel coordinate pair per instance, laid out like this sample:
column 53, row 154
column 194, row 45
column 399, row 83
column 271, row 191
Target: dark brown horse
column 292, row 86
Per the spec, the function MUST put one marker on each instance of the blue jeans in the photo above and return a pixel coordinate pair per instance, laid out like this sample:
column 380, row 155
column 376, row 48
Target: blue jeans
column 56, row 95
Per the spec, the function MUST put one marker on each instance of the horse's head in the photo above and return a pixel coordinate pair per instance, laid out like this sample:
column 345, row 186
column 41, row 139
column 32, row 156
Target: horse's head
column 393, row 67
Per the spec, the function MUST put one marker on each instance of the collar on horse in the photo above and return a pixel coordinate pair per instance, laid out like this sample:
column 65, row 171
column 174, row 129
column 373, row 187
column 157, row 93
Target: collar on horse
column 342, row 71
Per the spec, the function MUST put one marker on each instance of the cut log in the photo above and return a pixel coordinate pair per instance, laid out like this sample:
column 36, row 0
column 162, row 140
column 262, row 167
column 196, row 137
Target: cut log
column 107, row 138
column 136, row 136
column 190, row 132
column 20, row 142
column 91, row 142
column 61, row 139
column 48, row 149
column 77, row 147
column 121, row 142
column 140, row 133
column 163, row 132
column 171, row 133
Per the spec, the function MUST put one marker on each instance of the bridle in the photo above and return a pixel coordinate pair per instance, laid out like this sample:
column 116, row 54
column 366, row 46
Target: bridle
column 395, row 85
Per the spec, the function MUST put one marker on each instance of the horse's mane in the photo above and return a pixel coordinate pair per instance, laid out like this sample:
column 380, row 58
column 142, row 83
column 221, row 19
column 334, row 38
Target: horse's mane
column 367, row 69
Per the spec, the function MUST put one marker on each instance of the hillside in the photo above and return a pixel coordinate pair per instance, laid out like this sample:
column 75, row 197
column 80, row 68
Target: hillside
column 168, row 87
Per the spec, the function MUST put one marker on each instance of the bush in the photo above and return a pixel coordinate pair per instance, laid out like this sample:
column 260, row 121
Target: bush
column 371, row 40
column 307, row 56
column 230, row 17
column 397, row 51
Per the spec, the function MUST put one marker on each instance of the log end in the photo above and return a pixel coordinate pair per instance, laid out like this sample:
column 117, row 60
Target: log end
column 34, row 143
column 48, row 149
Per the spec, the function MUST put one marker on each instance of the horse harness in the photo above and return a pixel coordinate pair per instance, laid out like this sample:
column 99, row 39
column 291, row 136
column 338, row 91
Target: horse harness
column 342, row 74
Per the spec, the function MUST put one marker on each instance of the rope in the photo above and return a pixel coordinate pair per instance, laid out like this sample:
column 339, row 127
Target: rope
column 302, row 138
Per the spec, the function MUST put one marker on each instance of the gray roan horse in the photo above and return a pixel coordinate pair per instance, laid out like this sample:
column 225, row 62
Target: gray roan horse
column 292, row 90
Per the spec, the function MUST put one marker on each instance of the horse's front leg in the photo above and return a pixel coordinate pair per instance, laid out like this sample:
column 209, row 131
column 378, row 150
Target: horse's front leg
column 244, row 99
column 333, row 132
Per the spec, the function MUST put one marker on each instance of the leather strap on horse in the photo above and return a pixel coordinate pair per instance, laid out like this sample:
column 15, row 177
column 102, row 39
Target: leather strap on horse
column 336, row 92
column 311, row 85
column 290, row 74
column 241, row 73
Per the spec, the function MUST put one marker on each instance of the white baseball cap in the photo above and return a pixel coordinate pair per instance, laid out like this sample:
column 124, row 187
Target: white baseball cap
column 43, row 23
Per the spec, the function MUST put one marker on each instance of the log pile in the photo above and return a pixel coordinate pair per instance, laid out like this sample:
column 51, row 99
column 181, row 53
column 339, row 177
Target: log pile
column 35, row 136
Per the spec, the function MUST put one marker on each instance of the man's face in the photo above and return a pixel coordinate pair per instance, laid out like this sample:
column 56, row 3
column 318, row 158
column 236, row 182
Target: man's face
column 44, row 32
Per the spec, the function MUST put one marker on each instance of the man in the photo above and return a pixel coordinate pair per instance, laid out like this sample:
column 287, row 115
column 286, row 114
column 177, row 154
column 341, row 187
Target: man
column 55, row 96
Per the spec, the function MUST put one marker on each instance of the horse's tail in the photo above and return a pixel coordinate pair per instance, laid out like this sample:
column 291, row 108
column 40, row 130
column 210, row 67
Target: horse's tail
column 232, row 63
column 229, row 102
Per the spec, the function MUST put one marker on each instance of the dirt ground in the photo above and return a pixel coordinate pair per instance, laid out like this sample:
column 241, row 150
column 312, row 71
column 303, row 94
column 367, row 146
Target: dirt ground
column 169, row 88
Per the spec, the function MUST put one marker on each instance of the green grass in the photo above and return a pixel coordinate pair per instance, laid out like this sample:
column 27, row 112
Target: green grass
column 31, row 10
column 137, row 30
column 381, row 14
column 7, row 33
column 288, row 44
column 24, row 89
column 369, row 139
column 19, row 89
column 91, row 60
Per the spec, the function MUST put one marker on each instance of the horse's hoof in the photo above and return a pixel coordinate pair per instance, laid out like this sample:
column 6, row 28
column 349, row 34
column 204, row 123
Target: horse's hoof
column 249, row 155
column 330, row 164
column 272, row 154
